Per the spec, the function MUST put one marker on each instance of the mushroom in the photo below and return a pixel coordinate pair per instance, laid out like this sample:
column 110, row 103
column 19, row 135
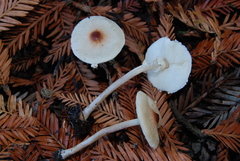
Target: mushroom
column 176, row 64
column 167, row 63
column 97, row 39
column 149, row 119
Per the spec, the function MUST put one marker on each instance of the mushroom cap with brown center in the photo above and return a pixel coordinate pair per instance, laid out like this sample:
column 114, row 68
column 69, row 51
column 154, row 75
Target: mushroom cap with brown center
column 97, row 39
column 178, row 63
column 149, row 118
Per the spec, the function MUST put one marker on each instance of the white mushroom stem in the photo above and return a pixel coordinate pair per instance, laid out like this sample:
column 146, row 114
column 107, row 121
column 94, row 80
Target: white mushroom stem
column 157, row 65
column 67, row 152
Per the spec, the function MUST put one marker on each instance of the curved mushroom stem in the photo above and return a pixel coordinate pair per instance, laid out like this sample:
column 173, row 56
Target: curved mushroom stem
column 159, row 64
column 63, row 154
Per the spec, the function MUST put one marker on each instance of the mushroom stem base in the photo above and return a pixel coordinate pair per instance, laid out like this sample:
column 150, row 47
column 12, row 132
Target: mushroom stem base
column 142, row 68
column 67, row 152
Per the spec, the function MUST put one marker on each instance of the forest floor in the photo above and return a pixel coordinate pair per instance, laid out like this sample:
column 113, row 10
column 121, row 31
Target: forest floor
column 44, row 87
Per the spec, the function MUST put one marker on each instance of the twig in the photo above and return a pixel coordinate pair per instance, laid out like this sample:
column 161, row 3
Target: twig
column 182, row 120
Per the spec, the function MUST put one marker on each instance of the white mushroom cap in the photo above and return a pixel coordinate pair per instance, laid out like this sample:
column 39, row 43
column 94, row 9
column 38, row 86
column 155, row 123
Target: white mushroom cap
column 97, row 39
column 177, row 64
column 149, row 118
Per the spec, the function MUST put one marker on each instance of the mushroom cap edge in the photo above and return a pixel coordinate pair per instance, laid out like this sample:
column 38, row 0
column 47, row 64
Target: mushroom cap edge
column 149, row 118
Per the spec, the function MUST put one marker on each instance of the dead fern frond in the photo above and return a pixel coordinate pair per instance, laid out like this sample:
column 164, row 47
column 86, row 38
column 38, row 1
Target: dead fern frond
column 52, row 86
column 25, row 64
column 10, row 108
column 60, row 29
column 8, row 152
column 58, row 51
column 17, row 81
column 126, row 100
column 136, row 46
column 107, row 10
column 218, row 6
column 35, row 24
column 21, row 153
column 55, row 83
column 223, row 153
column 217, row 54
column 86, row 78
column 93, row 10
column 17, row 123
column 51, row 132
column 63, row 135
column 135, row 27
column 107, row 114
column 125, row 62
column 128, row 5
column 234, row 3
column 72, row 99
column 171, row 147
column 227, row 133
column 167, row 151
column 195, row 19
column 228, row 51
column 166, row 28
column 106, row 151
column 202, row 59
column 209, row 23
column 27, row 58
column 62, row 25
column 48, row 132
column 5, row 64
column 115, row 110
column 10, row 11
column 231, row 22
column 216, row 101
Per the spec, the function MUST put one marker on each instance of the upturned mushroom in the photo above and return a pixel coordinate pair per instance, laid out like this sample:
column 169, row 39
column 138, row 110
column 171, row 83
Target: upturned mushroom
column 97, row 39
column 149, row 119
column 167, row 63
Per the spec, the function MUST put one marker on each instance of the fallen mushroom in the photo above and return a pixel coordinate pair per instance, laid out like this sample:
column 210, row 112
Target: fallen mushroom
column 97, row 39
column 176, row 65
column 149, row 119
column 167, row 63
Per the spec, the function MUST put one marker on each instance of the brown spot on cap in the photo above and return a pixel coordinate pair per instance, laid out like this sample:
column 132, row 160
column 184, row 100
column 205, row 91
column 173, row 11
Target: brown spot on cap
column 96, row 36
